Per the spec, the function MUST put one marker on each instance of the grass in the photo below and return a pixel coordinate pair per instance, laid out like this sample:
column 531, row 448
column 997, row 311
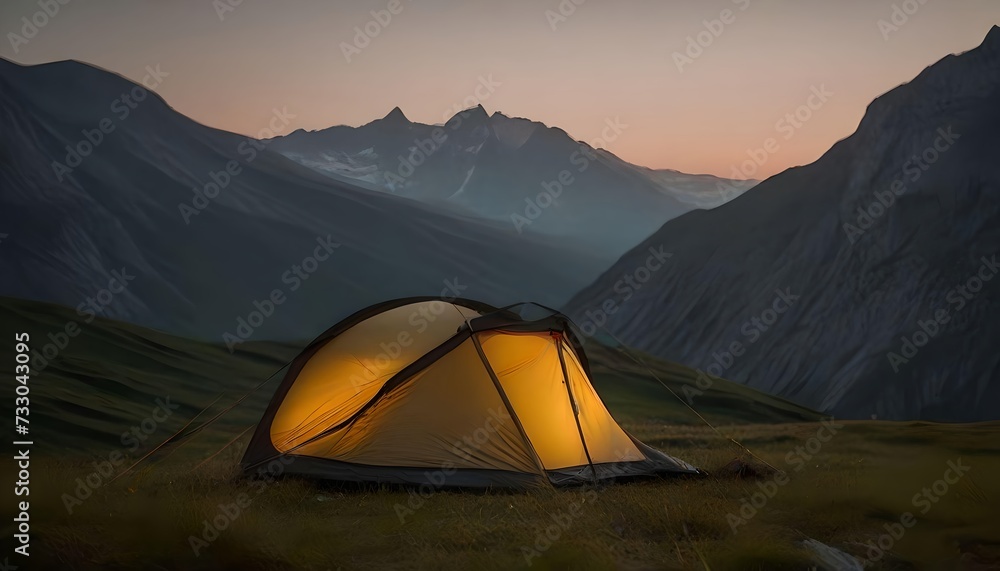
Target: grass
column 861, row 480
column 857, row 483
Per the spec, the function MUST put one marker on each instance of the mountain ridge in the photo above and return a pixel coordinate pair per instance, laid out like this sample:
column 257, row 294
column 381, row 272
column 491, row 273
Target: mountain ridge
column 924, row 227
column 508, row 170
column 206, row 222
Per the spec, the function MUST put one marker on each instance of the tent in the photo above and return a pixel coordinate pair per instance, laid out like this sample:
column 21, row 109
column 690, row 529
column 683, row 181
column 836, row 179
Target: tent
column 448, row 392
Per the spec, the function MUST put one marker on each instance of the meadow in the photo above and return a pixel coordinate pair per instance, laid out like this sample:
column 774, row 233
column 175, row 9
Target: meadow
column 891, row 495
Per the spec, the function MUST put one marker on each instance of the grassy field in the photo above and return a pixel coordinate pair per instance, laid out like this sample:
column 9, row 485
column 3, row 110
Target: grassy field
column 848, row 485
column 862, row 480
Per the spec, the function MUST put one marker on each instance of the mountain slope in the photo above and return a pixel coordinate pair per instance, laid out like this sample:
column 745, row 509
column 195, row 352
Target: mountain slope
column 863, row 336
column 512, row 170
column 204, row 226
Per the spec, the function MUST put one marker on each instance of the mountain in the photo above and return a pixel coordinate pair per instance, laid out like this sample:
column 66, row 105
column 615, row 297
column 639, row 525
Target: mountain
column 862, row 284
column 512, row 170
column 117, row 205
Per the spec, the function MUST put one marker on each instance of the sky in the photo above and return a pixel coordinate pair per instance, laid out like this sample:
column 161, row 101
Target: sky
column 696, row 86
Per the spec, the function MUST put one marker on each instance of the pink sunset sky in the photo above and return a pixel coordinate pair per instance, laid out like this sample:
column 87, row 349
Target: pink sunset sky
column 574, row 64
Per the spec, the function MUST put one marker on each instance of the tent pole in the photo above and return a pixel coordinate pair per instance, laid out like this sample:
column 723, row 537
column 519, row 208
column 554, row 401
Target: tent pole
column 510, row 409
column 576, row 408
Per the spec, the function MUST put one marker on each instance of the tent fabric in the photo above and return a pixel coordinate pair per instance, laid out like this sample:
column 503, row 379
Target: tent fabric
column 448, row 392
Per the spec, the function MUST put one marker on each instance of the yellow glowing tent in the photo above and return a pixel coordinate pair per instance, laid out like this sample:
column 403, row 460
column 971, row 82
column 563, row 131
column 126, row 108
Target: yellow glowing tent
column 447, row 392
